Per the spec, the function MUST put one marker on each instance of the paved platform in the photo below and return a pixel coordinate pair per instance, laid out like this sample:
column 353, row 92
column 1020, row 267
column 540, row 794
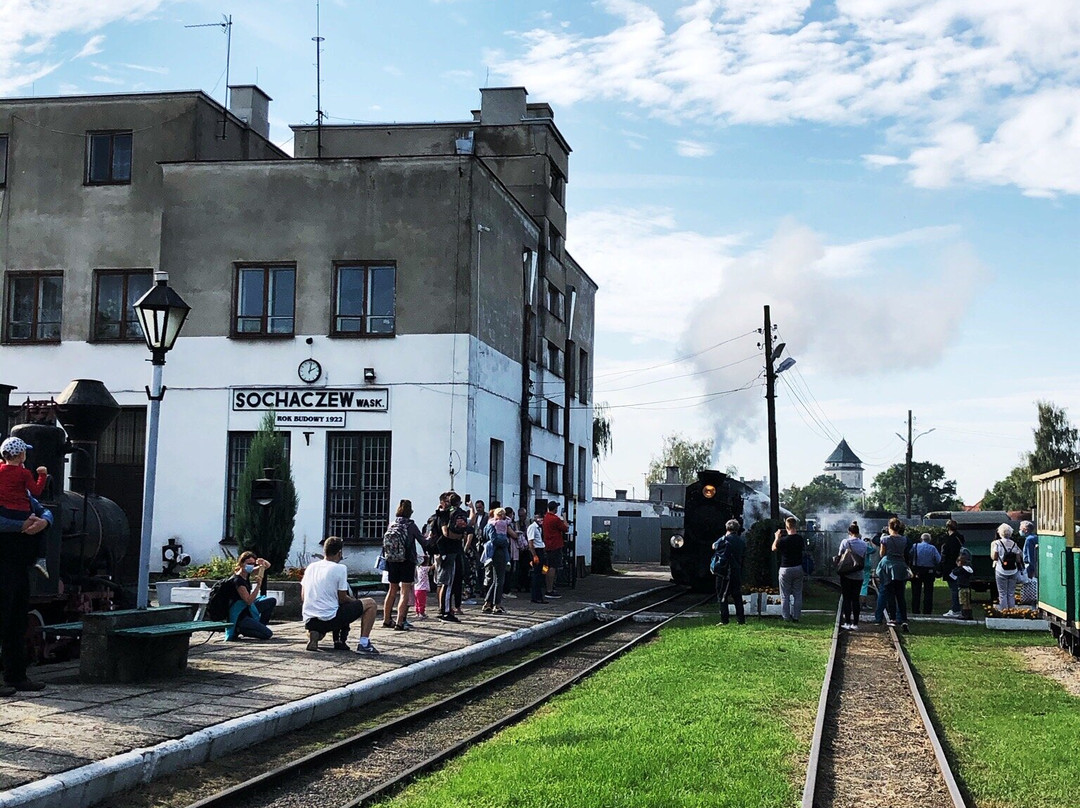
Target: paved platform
column 59, row 746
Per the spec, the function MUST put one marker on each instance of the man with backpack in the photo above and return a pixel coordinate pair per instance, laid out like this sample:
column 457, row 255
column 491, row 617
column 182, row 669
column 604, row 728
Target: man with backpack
column 727, row 565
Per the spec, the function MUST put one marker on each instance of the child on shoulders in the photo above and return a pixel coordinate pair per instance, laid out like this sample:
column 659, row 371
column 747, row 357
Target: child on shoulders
column 17, row 485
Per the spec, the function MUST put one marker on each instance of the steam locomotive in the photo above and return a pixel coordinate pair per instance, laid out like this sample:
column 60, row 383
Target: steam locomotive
column 90, row 534
column 710, row 503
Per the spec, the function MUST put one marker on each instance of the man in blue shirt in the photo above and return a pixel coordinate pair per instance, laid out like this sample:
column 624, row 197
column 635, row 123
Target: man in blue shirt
column 729, row 580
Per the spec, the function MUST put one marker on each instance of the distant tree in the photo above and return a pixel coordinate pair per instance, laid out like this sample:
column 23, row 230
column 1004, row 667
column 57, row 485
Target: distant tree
column 1056, row 440
column 823, row 493
column 690, row 457
column 930, row 491
column 1015, row 493
column 269, row 532
column 602, row 442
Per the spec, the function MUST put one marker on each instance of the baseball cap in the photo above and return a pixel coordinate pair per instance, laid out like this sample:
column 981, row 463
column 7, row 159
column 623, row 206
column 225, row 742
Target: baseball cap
column 14, row 446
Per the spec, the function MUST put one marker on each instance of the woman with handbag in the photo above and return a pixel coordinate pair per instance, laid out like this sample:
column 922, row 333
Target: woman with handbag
column 850, row 563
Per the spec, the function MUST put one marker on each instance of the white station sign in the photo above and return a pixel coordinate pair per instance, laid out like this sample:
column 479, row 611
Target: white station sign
column 304, row 407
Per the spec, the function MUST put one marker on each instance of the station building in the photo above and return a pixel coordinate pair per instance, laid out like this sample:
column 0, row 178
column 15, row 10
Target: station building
column 399, row 295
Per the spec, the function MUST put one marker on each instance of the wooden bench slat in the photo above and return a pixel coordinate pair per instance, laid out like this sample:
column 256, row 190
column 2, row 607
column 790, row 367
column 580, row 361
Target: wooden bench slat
column 171, row 629
column 65, row 628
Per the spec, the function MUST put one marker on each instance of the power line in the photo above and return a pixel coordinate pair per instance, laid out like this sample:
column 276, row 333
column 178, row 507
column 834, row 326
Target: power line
column 673, row 361
column 680, row 376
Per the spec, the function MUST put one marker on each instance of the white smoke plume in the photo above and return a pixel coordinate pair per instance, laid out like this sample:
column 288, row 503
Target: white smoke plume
column 846, row 312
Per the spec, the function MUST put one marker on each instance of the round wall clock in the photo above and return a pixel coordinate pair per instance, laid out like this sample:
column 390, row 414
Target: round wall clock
column 309, row 371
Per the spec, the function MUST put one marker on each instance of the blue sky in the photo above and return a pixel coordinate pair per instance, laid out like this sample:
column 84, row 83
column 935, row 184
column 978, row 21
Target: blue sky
column 897, row 179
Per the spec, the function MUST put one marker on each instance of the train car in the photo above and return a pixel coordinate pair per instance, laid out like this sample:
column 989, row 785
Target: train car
column 710, row 503
column 1059, row 554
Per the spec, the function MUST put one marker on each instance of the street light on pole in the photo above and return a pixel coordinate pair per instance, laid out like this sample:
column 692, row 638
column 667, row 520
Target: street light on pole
column 161, row 313
column 907, row 466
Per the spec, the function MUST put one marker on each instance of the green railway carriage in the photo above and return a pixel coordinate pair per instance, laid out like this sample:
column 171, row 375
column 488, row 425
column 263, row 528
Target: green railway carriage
column 1056, row 514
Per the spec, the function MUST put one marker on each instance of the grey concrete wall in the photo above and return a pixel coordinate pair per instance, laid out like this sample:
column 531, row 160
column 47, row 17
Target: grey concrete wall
column 54, row 221
column 420, row 213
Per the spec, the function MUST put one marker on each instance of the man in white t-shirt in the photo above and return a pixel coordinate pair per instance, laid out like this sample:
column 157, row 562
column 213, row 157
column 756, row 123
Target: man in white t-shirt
column 328, row 604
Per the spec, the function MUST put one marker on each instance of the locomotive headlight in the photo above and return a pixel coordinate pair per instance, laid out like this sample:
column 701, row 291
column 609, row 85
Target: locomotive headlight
column 677, row 542
column 709, row 491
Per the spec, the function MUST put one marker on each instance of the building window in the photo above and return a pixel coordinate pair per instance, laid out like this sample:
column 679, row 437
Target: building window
column 554, row 418
column 555, row 301
column 364, row 299
column 265, row 300
column 114, row 298
column 108, row 158
column 554, row 478
column 495, row 473
column 583, row 376
column 34, row 303
column 358, row 486
column 3, row 160
column 239, row 447
column 124, row 441
column 582, row 463
column 554, row 359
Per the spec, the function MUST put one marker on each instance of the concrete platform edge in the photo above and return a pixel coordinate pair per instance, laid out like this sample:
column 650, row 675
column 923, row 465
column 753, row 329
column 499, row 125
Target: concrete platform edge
column 95, row 781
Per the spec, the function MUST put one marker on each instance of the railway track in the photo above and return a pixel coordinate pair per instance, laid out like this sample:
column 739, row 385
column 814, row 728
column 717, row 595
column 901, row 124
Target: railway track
column 381, row 758
column 874, row 743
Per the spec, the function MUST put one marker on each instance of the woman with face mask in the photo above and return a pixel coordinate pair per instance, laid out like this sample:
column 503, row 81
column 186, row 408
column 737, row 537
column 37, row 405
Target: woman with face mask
column 250, row 612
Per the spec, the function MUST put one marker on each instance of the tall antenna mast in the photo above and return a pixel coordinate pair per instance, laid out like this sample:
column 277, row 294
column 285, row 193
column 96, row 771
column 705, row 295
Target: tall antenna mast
column 226, row 26
column 318, row 83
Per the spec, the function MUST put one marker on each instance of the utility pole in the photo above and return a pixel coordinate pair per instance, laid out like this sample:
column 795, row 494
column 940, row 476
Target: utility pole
column 770, row 402
column 907, row 466
column 907, row 471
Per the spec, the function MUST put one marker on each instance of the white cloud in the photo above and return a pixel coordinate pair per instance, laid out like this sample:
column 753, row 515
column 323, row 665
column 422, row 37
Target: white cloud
column 666, row 286
column 92, row 47
column 29, row 28
column 986, row 91
column 693, row 148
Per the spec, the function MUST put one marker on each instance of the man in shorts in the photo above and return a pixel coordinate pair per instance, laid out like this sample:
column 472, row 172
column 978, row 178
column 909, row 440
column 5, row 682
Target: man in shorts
column 555, row 528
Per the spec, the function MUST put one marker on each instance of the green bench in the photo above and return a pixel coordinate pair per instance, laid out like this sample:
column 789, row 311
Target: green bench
column 170, row 629
column 73, row 629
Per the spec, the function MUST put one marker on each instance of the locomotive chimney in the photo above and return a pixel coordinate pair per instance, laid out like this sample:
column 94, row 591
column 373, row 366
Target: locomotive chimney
column 86, row 409
column 5, row 408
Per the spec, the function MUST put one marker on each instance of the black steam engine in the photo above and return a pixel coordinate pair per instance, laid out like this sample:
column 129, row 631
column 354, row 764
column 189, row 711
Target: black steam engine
column 89, row 535
column 710, row 503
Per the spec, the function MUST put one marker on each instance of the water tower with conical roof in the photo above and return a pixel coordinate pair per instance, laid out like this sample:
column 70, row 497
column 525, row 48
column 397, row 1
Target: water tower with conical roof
column 845, row 465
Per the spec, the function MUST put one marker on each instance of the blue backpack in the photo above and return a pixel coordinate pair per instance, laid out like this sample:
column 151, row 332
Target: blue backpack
column 720, row 566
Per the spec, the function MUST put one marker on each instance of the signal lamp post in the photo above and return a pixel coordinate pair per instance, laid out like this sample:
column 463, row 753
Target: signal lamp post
column 161, row 313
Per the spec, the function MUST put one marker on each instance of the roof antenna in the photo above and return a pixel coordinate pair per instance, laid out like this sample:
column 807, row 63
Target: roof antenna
column 226, row 26
column 318, row 83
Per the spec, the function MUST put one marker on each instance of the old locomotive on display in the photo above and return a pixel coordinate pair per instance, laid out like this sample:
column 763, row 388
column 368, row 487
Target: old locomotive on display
column 90, row 534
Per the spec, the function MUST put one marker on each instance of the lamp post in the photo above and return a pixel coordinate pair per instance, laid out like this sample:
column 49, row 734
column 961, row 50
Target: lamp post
column 161, row 313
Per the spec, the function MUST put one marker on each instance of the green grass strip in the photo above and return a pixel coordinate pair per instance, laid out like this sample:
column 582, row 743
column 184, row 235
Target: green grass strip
column 1013, row 734
column 704, row 716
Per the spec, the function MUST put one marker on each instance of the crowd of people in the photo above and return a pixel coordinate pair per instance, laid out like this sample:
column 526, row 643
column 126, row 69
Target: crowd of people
column 466, row 553
column 888, row 560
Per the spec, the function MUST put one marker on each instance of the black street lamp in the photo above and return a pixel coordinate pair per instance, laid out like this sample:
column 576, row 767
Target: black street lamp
column 161, row 314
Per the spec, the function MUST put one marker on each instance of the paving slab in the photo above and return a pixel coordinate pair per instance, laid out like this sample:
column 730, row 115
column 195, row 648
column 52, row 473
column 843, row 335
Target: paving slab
column 56, row 737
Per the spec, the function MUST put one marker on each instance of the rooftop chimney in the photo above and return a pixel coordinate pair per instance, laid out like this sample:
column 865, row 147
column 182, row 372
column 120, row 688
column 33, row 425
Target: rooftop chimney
column 251, row 105
column 500, row 106
column 671, row 475
column 620, row 493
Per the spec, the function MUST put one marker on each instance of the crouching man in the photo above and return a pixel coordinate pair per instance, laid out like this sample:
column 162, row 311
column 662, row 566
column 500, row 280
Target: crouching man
column 328, row 605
